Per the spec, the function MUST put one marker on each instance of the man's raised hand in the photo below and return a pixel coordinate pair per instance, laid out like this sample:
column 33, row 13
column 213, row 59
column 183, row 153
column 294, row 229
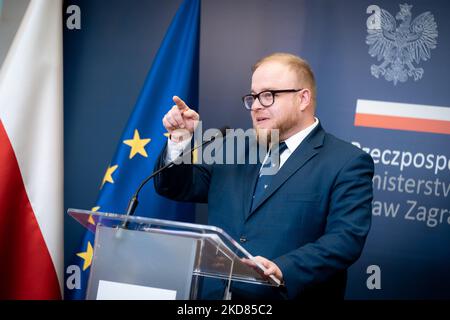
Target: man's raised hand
column 180, row 121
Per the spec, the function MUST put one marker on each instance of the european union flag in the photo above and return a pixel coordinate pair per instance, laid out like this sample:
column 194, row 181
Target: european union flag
column 174, row 72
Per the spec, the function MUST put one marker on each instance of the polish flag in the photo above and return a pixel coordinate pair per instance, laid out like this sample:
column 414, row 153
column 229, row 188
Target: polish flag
column 402, row 116
column 31, row 157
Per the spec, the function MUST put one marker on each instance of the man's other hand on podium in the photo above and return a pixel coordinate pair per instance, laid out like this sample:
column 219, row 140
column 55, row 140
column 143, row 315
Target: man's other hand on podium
column 271, row 267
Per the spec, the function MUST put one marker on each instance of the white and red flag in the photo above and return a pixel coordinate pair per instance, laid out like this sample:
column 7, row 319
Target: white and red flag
column 402, row 116
column 31, row 157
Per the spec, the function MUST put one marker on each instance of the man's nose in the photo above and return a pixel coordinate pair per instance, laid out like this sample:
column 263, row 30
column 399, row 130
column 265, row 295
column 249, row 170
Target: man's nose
column 257, row 105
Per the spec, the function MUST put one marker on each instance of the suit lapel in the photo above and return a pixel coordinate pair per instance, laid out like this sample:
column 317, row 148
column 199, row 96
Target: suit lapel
column 307, row 150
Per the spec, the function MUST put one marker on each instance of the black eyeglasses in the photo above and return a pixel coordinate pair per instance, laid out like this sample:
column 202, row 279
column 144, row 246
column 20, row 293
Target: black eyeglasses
column 266, row 97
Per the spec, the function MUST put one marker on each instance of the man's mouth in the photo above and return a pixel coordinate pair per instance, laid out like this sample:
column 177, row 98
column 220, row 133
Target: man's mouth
column 261, row 119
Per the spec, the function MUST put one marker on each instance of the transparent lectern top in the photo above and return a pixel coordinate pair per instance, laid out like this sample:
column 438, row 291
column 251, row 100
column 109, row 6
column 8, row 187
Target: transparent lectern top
column 217, row 252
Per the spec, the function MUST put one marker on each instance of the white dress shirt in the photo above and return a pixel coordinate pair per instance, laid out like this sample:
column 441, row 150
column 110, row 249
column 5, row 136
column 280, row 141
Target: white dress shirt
column 294, row 141
column 174, row 149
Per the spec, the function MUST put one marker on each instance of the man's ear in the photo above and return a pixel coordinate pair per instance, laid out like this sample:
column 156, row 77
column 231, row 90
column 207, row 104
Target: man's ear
column 305, row 99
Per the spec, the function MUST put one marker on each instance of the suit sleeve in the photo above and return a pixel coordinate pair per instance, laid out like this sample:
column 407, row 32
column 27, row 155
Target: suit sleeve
column 347, row 226
column 183, row 182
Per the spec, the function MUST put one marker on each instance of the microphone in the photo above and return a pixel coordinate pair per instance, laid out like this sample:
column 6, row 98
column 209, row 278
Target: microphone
column 132, row 205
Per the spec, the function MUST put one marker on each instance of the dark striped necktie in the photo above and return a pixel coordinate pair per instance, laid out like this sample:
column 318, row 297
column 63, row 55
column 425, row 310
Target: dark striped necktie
column 264, row 179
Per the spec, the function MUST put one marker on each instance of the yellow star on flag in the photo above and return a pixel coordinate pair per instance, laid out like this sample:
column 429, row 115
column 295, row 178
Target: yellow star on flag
column 91, row 219
column 108, row 175
column 87, row 256
column 137, row 145
column 166, row 134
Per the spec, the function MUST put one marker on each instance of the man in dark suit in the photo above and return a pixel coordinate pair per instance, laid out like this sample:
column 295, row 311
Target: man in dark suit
column 307, row 223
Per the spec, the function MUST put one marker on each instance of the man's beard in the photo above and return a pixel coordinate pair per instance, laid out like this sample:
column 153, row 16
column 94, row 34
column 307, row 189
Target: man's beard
column 266, row 137
column 274, row 135
column 263, row 135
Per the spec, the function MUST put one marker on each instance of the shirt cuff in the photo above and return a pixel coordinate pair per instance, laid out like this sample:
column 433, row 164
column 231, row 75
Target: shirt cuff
column 174, row 149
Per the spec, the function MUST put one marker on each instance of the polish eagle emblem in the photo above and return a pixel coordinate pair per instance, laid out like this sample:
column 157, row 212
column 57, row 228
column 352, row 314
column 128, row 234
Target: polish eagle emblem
column 399, row 46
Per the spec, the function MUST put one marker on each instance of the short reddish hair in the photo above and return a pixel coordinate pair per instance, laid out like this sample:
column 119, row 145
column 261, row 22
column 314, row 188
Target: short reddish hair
column 300, row 66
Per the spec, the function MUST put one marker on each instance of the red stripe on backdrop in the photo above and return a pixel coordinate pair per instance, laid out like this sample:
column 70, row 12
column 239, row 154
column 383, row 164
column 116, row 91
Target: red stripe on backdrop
column 26, row 268
column 402, row 123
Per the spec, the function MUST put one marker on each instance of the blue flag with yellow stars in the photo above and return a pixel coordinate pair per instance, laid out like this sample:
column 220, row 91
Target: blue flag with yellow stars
column 174, row 72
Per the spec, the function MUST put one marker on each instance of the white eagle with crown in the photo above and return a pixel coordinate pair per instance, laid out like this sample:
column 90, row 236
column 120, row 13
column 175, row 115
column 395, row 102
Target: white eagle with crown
column 400, row 46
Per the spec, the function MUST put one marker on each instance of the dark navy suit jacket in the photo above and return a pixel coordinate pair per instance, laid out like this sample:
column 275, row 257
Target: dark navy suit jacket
column 312, row 222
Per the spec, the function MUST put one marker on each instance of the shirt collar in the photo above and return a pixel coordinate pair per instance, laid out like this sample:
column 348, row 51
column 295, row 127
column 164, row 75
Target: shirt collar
column 294, row 141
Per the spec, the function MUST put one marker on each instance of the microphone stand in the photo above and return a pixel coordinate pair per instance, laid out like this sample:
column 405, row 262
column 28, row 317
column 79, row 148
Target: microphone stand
column 133, row 203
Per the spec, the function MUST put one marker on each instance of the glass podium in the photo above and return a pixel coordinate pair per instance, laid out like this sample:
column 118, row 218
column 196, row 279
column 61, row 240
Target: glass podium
column 137, row 257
